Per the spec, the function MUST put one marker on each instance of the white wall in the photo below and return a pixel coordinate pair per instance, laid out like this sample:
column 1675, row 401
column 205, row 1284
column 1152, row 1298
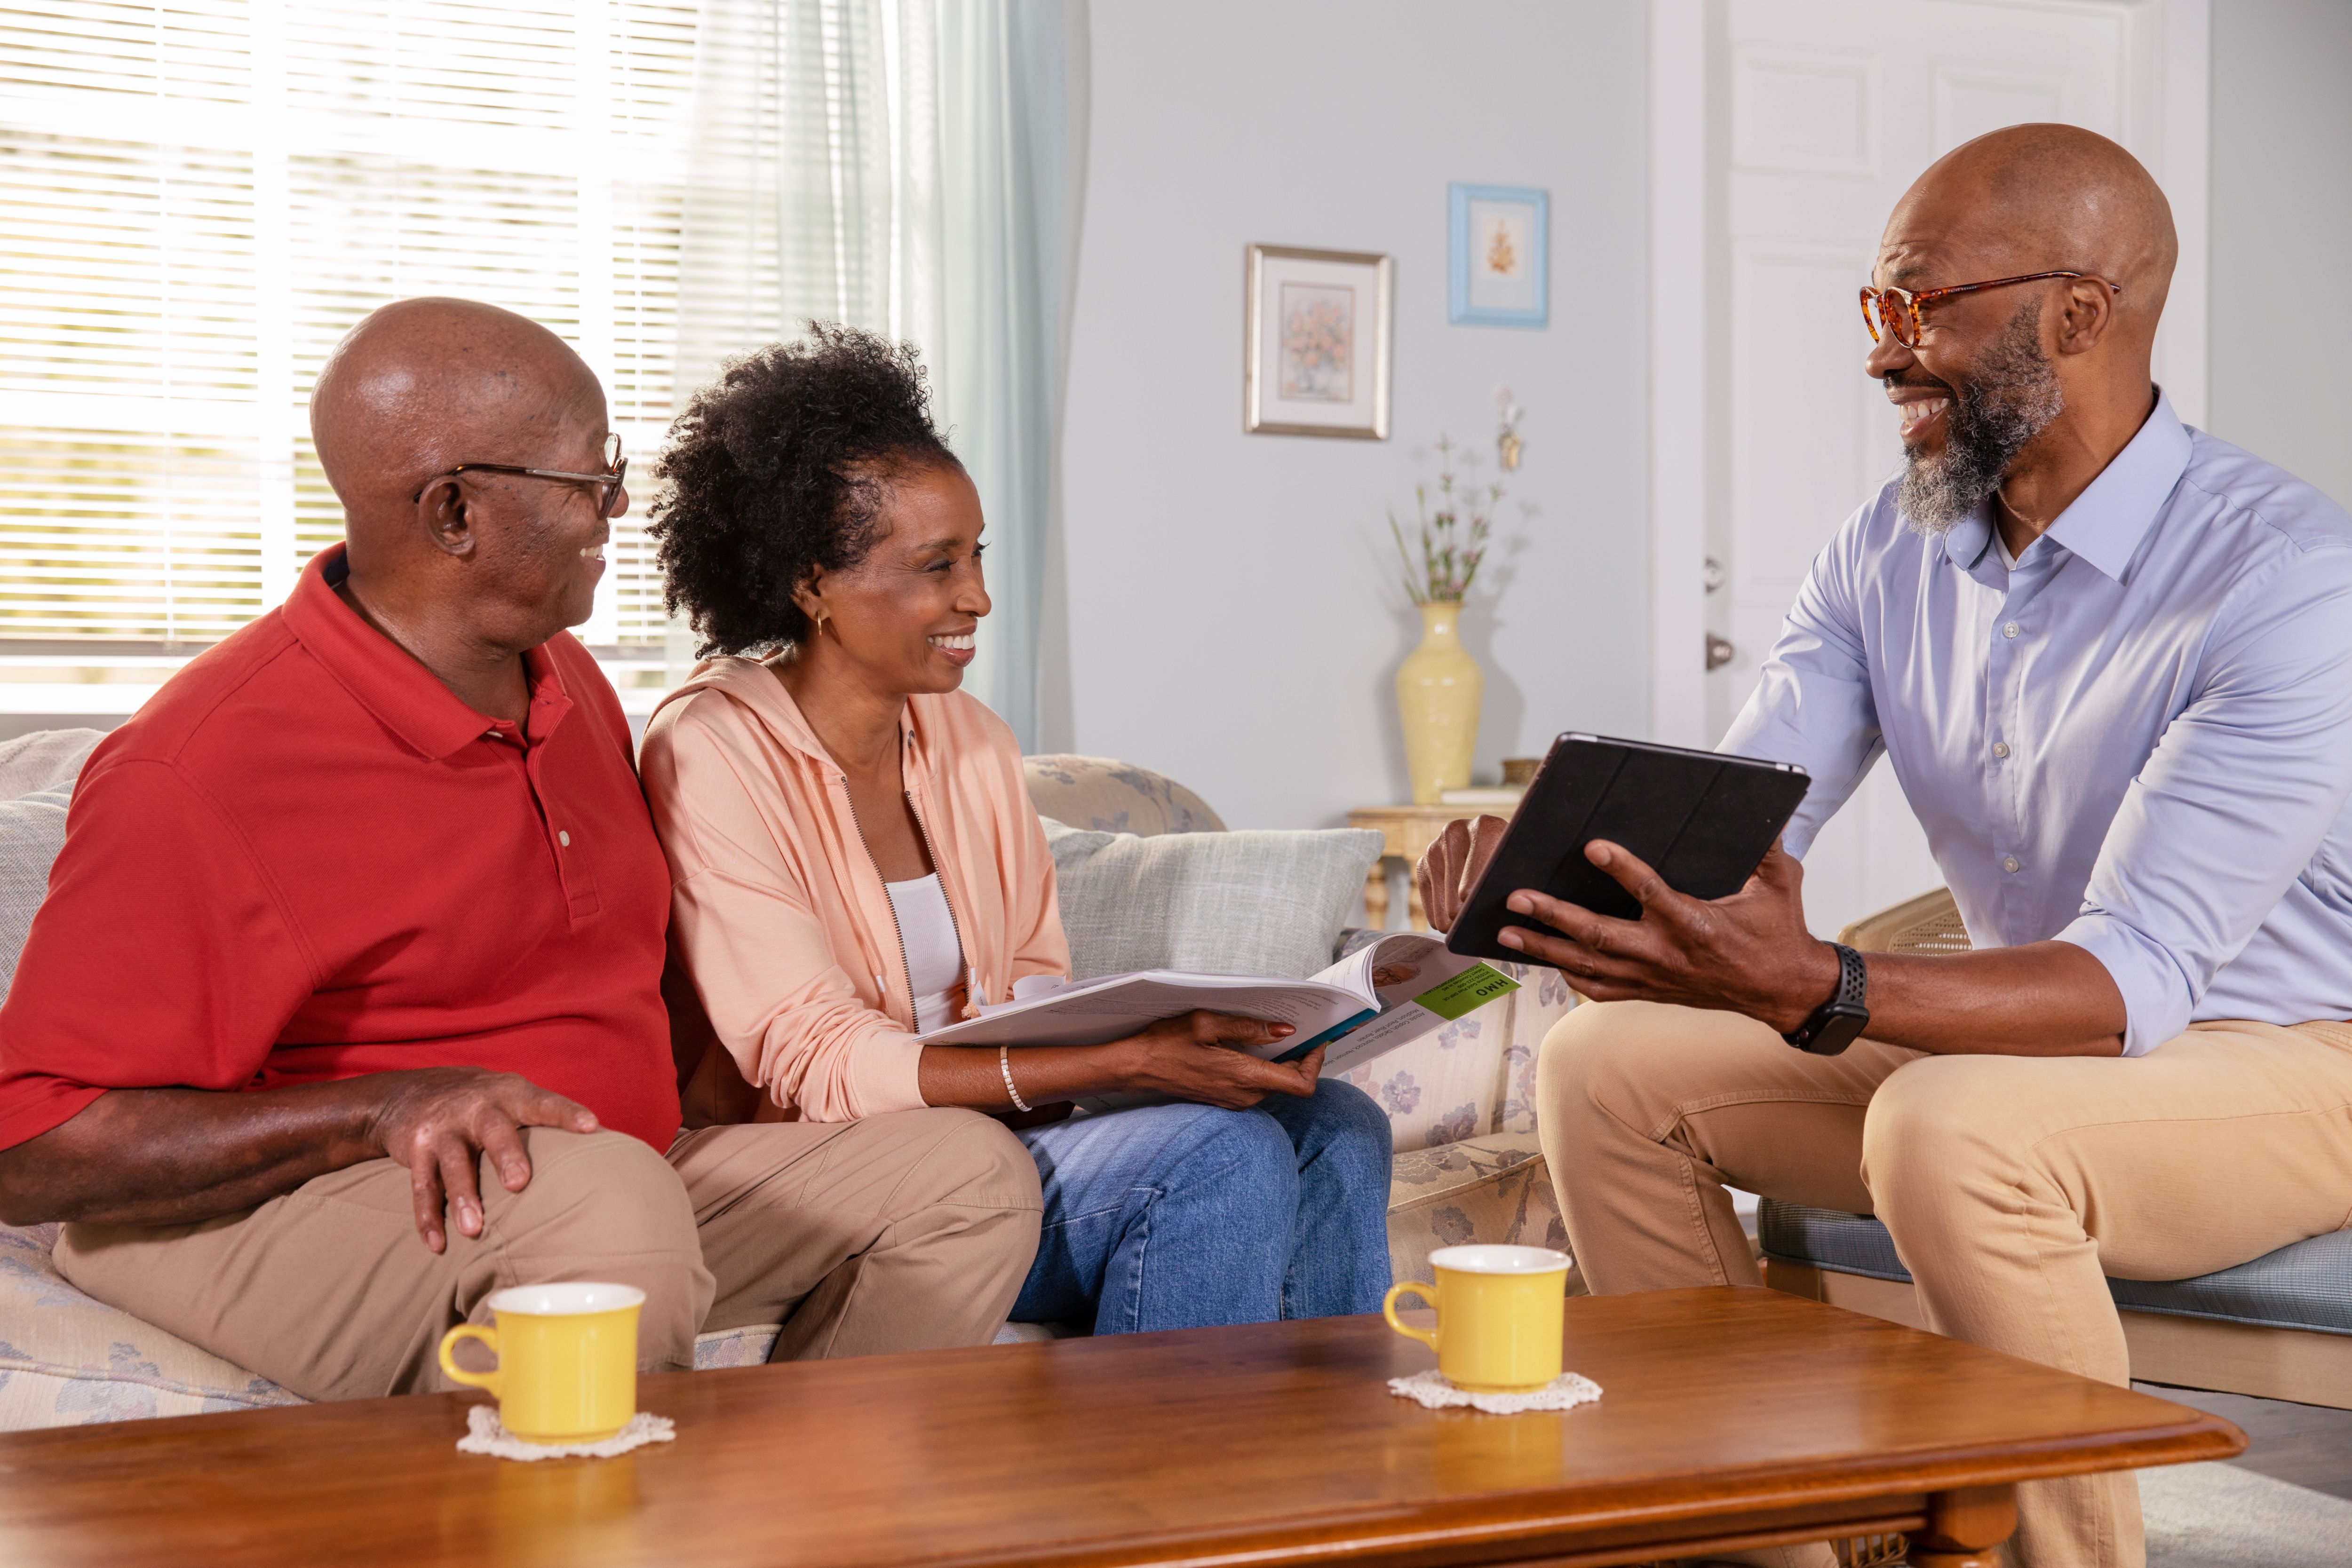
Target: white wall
column 1225, row 606
column 2282, row 234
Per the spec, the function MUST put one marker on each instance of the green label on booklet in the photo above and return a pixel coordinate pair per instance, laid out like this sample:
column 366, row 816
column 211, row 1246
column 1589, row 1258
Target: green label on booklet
column 1466, row 992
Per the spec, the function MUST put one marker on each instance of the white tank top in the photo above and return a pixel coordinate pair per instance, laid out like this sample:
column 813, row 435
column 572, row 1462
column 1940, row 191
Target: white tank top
column 934, row 960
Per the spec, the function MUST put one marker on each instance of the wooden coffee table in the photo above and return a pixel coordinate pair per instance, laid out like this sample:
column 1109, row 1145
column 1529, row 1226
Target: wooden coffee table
column 1731, row 1417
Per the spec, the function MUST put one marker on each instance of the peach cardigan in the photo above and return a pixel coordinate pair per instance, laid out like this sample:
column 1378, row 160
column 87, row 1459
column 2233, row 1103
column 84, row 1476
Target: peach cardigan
column 778, row 916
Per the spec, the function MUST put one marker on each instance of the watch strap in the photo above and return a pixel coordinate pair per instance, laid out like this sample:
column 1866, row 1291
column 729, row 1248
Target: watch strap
column 1850, row 1001
column 1854, row 977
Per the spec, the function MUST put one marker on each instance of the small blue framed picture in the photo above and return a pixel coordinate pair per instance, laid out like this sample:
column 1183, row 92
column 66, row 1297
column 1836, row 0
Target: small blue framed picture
column 1501, row 269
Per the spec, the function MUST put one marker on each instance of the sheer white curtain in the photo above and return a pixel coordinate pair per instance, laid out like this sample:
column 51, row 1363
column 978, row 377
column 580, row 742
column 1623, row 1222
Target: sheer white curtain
column 905, row 166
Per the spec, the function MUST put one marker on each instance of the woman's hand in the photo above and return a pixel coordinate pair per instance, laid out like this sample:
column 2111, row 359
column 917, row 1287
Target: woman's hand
column 1192, row 1058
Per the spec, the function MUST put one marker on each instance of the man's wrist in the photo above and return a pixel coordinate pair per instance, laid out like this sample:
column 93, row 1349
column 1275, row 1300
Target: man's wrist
column 1814, row 981
column 372, row 1106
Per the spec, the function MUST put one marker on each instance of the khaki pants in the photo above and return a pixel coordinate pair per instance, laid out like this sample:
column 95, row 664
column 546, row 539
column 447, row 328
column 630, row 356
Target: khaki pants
column 907, row 1231
column 2010, row 1184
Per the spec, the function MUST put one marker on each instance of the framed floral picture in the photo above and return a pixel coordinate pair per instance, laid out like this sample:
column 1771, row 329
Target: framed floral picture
column 1501, row 264
column 1316, row 360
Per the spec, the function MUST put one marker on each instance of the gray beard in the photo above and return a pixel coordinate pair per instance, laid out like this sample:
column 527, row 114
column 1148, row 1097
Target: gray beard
column 2013, row 398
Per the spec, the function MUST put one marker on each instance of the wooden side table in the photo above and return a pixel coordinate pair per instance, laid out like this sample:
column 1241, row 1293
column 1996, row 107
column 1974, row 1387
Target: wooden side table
column 1409, row 830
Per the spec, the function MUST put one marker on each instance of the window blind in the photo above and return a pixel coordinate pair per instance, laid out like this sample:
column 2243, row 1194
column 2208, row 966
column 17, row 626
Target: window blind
column 198, row 199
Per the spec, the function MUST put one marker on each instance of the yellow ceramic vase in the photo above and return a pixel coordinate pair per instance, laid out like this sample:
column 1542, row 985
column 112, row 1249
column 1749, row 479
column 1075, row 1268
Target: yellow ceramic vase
column 1439, row 688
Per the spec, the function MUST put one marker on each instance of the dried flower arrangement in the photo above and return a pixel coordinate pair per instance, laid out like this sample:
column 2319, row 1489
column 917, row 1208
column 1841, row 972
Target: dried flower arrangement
column 1452, row 540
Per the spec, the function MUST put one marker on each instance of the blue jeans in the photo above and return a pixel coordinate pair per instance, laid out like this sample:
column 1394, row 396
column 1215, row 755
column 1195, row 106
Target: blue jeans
column 1170, row 1217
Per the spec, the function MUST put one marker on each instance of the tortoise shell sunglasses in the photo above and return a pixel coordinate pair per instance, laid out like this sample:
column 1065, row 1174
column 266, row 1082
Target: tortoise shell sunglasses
column 1900, row 311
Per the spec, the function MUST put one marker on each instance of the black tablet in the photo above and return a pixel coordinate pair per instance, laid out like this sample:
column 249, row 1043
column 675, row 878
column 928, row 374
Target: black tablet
column 1701, row 819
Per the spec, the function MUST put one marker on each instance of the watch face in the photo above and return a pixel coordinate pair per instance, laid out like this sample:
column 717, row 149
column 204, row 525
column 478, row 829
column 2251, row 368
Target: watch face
column 1840, row 1030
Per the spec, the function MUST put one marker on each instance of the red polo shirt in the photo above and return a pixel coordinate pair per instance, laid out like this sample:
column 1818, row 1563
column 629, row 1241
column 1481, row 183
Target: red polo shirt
column 305, row 859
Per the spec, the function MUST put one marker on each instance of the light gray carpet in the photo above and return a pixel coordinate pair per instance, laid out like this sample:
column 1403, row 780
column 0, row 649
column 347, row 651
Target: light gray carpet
column 2222, row 1516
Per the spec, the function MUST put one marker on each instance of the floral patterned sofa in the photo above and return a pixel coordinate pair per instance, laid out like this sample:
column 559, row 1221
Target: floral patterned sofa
column 1461, row 1102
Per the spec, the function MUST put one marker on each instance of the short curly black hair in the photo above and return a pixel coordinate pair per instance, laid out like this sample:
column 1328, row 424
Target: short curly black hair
column 779, row 467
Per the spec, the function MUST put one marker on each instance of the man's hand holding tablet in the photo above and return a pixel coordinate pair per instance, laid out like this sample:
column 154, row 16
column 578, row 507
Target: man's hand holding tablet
column 1708, row 911
column 1749, row 953
column 1643, row 873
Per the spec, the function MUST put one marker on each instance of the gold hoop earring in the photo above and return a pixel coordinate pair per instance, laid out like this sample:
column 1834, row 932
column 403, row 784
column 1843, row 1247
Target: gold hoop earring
column 820, row 629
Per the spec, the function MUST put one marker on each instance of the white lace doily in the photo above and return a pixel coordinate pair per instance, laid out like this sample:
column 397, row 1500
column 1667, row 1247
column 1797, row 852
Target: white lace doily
column 486, row 1434
column 1429, row 1388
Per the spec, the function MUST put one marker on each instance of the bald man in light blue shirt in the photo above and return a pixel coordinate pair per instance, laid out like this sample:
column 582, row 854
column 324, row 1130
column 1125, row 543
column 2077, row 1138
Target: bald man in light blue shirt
column 2137, row 739
column 2109, row 659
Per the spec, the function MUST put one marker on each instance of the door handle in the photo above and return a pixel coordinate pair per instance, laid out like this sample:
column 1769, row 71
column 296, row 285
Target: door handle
column 1719, row 652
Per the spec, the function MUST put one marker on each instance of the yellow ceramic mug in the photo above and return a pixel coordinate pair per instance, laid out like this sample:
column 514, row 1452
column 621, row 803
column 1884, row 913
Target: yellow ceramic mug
column 1498, row 1315
column 567, row 1368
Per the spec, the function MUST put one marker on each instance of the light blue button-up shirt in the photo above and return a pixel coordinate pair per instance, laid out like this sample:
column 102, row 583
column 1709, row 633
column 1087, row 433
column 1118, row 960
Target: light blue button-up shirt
column 2140, row 740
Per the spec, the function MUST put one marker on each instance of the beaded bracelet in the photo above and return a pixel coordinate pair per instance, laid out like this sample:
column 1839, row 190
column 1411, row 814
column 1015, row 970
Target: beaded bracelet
column 1005, row 1065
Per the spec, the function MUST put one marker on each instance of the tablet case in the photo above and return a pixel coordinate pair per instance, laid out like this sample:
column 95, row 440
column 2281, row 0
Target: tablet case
column 1702, row 820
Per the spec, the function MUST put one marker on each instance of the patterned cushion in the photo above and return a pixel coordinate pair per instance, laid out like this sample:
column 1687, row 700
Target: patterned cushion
column 1476, row 1075
column 735, row 1347
column 66, row 1360
column 1489, row 1189
column 2305, row 1286
column 1109, row 796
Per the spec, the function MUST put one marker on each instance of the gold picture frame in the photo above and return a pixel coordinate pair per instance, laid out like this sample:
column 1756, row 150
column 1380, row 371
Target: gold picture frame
column 1311, row 317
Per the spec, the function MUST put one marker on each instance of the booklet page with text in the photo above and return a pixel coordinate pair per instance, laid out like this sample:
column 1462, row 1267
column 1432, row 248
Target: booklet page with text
column 1379, row 997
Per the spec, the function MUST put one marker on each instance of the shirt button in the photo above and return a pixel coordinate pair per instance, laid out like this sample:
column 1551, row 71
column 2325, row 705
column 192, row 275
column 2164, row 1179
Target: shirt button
column 2009, row 864
column 2010, row 630
column 565, row 839
column 2000, row 749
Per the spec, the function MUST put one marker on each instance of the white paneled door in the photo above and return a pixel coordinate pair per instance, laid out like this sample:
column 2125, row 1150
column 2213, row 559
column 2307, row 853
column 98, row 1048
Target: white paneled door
column 1819, row 114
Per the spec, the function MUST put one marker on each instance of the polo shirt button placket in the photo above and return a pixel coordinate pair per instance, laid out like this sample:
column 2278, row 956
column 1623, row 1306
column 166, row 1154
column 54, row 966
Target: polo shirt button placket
column 571, row 876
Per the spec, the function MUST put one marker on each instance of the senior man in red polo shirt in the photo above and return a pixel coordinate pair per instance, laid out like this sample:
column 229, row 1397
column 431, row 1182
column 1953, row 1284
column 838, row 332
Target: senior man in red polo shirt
column 343, row 1010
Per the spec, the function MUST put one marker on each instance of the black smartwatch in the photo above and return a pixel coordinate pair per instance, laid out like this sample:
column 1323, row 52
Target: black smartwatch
column 1837, row 1022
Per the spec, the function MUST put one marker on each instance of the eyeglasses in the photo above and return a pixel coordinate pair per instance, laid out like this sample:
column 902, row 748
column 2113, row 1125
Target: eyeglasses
column 616, row 469
column 1899, row 311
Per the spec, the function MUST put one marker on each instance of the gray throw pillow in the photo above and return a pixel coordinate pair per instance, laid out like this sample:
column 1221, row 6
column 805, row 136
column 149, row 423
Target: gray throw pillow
column 1213, row 904
column 32, row 832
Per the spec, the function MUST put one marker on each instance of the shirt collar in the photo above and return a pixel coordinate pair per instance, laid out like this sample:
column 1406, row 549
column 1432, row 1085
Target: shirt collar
column 2108, row 521
column 384, row 678
column 1971, row 537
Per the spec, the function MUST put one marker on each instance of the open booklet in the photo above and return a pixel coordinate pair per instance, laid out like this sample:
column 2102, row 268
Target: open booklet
column 1380, row 996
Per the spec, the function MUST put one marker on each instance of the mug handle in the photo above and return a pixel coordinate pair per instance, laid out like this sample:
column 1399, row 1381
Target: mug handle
column 1388, row 1310
column 489, row 1336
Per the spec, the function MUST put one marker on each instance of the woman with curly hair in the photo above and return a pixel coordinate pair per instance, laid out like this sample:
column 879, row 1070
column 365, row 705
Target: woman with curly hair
column 855, row 862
